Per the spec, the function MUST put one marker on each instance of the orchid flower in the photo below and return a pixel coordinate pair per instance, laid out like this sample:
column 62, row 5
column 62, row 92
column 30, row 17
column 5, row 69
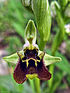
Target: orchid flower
column 31, row 62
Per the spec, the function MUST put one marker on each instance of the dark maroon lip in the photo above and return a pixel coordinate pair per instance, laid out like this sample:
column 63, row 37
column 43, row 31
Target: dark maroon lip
column 22, row 70
column 30, row 64
column 32, row 70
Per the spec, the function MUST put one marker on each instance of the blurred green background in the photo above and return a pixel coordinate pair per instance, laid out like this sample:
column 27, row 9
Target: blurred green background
column 13, row 20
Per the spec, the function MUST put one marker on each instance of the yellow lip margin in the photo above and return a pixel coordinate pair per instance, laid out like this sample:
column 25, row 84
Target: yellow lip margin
column 31, row 59
column 31, row 76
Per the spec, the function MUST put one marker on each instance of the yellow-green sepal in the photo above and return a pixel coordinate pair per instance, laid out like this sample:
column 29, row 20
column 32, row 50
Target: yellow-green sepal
column 30, row 32
column 12, row 58
column 48, row 60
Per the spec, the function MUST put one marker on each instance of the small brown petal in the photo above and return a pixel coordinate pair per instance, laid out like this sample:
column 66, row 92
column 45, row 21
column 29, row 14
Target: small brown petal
column 42, row 71
column 20, row 72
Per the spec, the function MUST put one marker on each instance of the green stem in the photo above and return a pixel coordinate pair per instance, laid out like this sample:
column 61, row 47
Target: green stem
column 51, row 70
column 37, row 85
column 32, row 85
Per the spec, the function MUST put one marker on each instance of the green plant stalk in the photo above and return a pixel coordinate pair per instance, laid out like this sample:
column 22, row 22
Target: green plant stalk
column 32, row 85
column 52, row 90
column 51, row 70
column 37, row 85
column 62, row 32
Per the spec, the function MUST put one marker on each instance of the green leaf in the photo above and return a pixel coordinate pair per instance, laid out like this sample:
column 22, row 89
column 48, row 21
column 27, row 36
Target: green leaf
column 30, row 32
column 60, row 34
column 56, row 81
column 9, row 84
column 43, row 17
column 19, row 29
column 67, row 13
column 64, row 65
column 63, row 3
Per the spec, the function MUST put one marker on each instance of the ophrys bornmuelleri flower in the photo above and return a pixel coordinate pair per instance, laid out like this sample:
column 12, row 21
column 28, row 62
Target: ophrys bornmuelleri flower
column 31, row 62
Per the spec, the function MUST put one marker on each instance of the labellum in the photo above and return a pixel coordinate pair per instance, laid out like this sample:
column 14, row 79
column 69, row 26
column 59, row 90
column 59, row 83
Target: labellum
column 30, row 65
